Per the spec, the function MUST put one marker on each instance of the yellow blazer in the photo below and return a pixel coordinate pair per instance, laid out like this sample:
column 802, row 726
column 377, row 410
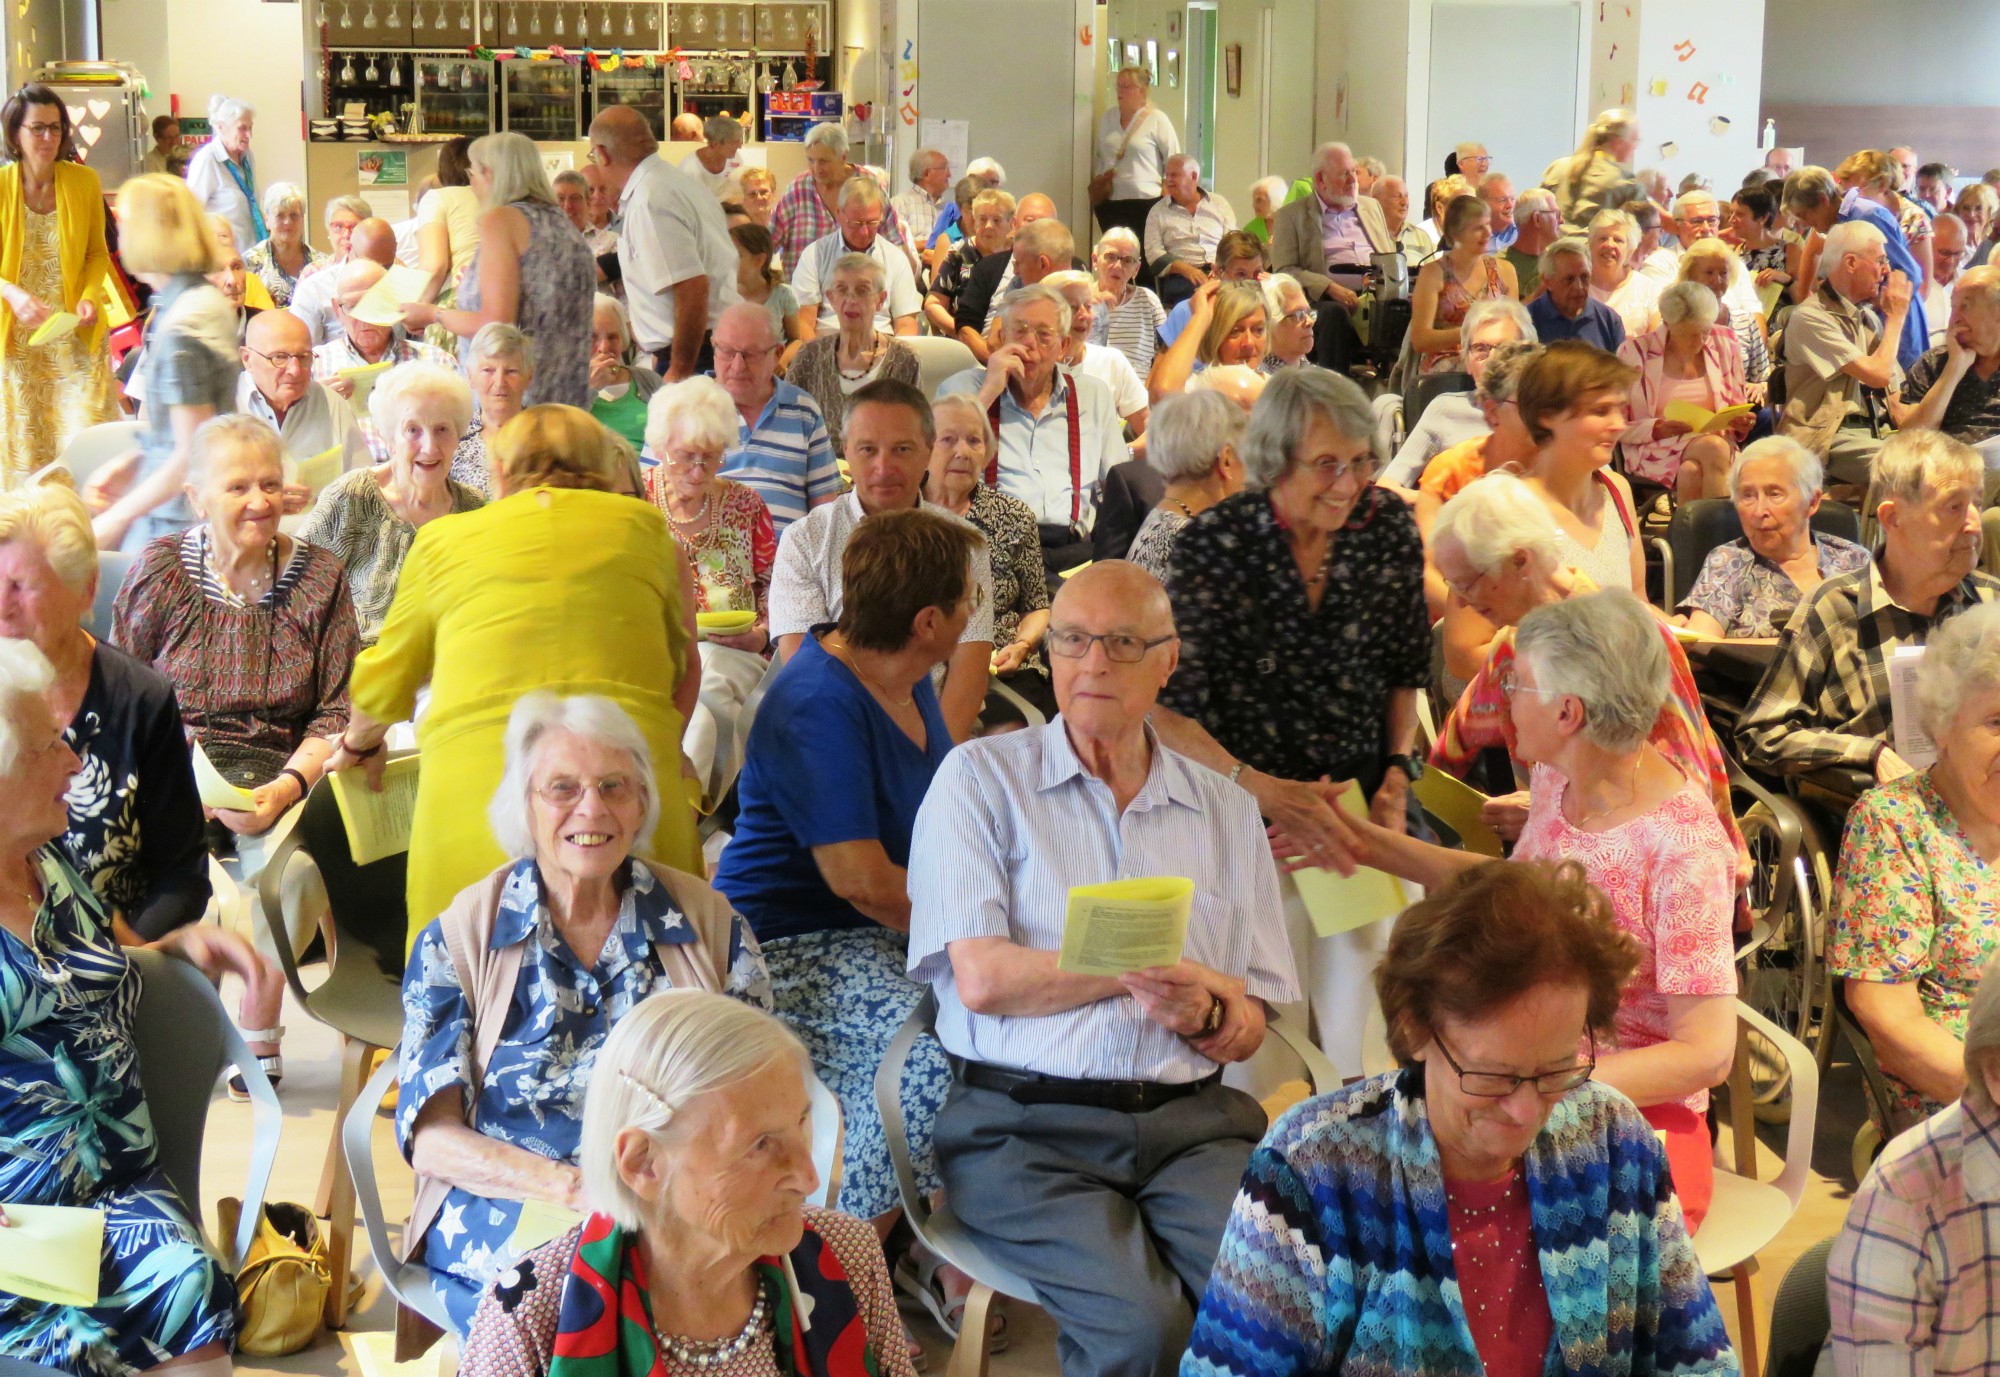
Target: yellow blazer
column 85, row 259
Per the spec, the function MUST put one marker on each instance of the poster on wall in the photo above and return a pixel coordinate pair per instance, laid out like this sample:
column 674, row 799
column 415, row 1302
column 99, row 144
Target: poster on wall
column 953, row 138
column 385, row 167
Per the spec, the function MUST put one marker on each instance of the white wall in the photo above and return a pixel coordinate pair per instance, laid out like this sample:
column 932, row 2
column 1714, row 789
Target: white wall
column 1473, row 39
column 1696, row 48
column 1363, row 75
column 1267, row 127
column 1868, row 52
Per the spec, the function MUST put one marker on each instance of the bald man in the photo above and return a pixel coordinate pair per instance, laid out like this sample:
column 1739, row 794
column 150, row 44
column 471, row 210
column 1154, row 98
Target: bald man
column 1096, row 1098
column 277, row 386
column 373, row 241
column 342, row 364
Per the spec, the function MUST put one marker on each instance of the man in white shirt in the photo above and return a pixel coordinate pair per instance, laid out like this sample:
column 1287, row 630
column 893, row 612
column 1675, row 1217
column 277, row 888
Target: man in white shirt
column 372, row 240
column 1134, row 140
column 920, row 206
column 860, row 214
column 675, row 255
column 1182, row 229
column 1948, row 254
column 714, row 165
column 278, row 388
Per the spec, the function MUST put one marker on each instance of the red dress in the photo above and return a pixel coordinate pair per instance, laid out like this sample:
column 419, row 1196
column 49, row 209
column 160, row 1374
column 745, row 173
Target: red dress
column 1500, row 1274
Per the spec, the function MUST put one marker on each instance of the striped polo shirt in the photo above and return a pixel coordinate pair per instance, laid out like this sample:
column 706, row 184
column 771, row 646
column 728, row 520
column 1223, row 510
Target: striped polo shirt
column 787, row 456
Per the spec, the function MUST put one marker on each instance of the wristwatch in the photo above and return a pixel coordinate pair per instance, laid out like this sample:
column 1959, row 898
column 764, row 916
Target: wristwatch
column 1412, row 768
column 1213, row 1022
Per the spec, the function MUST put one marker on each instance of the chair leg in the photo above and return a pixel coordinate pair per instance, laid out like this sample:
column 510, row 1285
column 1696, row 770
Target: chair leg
column 1746, row 1319
column 414, row 1334
column 968, row 1355
column 355, row 1056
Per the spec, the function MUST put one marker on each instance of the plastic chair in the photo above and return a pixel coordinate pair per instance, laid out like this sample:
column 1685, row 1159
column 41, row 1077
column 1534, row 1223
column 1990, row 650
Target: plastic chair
column 362, row 995
column 940, row 1230
column 91, row 448
column 1700, row 526
column 185, row 1042
column 112, row 566
column 1800, row 1317
column 937, row 359
column 1422, row 391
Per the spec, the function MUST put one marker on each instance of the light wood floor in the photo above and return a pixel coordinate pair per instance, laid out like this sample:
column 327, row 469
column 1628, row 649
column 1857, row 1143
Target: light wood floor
column 312, row 1082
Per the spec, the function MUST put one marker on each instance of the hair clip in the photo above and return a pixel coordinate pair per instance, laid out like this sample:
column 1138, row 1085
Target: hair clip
column 659, row 1102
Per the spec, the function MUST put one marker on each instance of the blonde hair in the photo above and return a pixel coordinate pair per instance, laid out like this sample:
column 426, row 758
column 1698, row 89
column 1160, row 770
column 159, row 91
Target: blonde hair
column 1233, row 305
column 515, row 168
column 163, row 229
column 553, row 446
column 53, row 518
column 1871, row 168
column 1711, row 247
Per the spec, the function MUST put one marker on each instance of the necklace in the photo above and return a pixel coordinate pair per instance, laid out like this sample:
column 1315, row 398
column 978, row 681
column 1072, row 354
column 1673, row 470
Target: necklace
column 867, row 360
column 260, row 582
column 704, row 1354
column 1614, row 807
column 1186, row 510
column 694, row 522
column 846, row 657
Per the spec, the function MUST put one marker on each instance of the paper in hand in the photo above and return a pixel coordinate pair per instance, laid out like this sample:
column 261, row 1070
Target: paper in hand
column 383, row 303
column 1126, row 925
column 53, row 1253
column 1908, row 738
column 378, row 825
column 364, row 379
column 1701, row 421
column 539, row 1223
column 322, row 468
column 1460, row 807
column 58, row 325
column 214, row 790
column 1338, row 903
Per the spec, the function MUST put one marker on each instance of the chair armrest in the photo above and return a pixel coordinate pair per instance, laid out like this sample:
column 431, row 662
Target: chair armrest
column 1029, row 712
column 1320, row 1072
column 1804, row 1068
column 889, row 1103
column 357, row 1145
column 1666, row 554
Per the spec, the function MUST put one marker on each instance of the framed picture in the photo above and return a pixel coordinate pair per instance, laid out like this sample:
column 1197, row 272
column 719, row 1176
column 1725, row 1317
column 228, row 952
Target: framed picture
column 1114, row 54
column 1173, row 67
column 1131, row 54
column 1232, row 69
column 1153, row 63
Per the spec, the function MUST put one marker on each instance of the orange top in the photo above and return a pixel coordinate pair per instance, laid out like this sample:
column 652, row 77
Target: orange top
column 1454, row 468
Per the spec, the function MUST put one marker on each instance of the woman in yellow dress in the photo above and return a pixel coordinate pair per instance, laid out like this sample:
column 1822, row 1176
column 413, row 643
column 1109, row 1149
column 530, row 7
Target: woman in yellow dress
column 562, row 585
column 52, row 258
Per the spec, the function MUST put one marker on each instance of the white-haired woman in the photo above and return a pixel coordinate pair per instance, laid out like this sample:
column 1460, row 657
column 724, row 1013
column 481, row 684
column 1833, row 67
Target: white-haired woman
column 1917, row 901
column 620, row 386
column 369, row 516
column 222, row 174
column 834, row 367
column 1716, row 266
column 1614, row 278
column 1749, row 587
column 532, row 269
column 1267, row 195
column 74, row 1115
column 1585, row 691
column 511, row 991
column 283, row 256
column 1598, row 176
column 500, row 366
column 1099, row 361
column 1452, row 418
column 1131, row 316
column 1195, row 446
column 1290, row 317
column 1688, row 360
column 697, row 1161
column 1460, row 274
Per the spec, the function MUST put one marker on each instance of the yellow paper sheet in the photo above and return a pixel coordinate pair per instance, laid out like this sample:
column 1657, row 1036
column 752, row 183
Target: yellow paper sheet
column 1701, row 420
column 59, row 324
column 1458, row 806
column 323, row 468
column 1126, row 925
column 724, row 623
column 384, row 302
column 1072, row 573
column 53, row 1253
column 364, row 379
column 1338, row 903
column 1687, row 635
column 378, row 825
column 214, row 790
column 539, row 1223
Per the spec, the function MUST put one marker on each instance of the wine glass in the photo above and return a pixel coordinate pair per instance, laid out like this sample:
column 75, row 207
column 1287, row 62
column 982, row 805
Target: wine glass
column 438, row 21
column 488, row 9
column 373, row 73
column 743, row 26
column 368, row 19
column 629, row 30
column 346, row 15
column 395, row 73
column 535, row 20
column 559, row 22
column 347, row 69
column 582, row 23
column 699, row 23
column 790, row 29
column 417, row 14
column 395, row 18
column 465, row 77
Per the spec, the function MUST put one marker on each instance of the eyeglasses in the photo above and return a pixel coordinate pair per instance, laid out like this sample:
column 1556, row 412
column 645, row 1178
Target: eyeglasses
column 597, row 155
column 1496, row 1085
column 1044, row 338
column 282, row 361
column 1510, row 685
column 1334, row 470
column 40, row 130
column 612, row 790
column 1121, row 649
column 1709, row 220
column 693, row 461
column 1305, row 315
column 1117, row 260
column 742, row 355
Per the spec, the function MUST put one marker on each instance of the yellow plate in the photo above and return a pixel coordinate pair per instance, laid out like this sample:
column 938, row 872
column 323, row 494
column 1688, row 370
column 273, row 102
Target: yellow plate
column 727, row 623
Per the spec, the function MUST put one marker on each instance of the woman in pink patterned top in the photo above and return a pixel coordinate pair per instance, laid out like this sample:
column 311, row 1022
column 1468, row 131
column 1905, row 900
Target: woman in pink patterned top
column 1588, row 682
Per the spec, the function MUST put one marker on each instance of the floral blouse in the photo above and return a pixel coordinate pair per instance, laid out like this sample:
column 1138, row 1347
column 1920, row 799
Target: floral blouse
column 260, row 259
column 1914, row 902
column 732, row 558
column 1753, row 597
column 1153, row 548
column 1020, row 584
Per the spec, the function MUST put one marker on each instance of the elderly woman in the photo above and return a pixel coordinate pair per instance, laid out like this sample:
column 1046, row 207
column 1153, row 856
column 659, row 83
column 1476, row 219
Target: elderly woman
column 1585, row 691
column 697, row 1161
column 1417, row 1207
column 1195, row 446
column 1099, row 361
column 1614, row 280
column 1690, row 361
column 844, row 747
column 1598, row 176
column 532, row 269
column 1716, row 266
column 1452, row 418
column 52, row 258
column 1572, row 400
column 1228, row 323
column 833, row 368
column 1291, row 316
column 1917, row 902
column 1979, row 206
column 74, row 1116
column 1447, row 286
column 485, row 610
column 188, row 363
column 500, row 366
column 760, row 194
column 620, row 386
column 1749, row 587
column 1130, row 317
column 515, row 986
column 369, row 516
column 448, row 222
column 222, row 175
column 282, row 257
column 992, row 226
column 1316, row 561
column 1875, row 176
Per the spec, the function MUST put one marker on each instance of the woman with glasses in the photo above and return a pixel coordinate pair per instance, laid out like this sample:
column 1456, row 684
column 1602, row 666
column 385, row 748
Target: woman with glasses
column 1488, row 1206
column 1288, row 338
column 832, row 368
column 52, row 259
column 1131, row 316
column 1589, row 679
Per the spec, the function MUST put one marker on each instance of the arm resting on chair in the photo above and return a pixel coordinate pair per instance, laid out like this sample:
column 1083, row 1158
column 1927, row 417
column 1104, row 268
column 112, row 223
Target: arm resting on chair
column 1908, row 1045
column 1696, row 1055
column 445, row 1146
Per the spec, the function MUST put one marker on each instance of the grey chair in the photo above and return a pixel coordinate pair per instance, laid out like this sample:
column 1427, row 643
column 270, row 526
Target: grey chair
column 112, row 566
column 1800, row 1317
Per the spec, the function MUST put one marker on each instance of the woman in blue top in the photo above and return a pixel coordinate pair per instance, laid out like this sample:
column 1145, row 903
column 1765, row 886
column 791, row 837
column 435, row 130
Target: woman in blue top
column 1817, row 203
column 844, row 747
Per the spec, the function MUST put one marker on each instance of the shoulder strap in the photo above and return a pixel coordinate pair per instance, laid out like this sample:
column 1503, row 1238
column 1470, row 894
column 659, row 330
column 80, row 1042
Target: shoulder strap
column 1618, row 505
column 1131, row 130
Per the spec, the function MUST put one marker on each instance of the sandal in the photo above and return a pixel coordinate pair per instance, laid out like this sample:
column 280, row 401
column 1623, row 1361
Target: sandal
column 916, row 1276
column 273, row 1066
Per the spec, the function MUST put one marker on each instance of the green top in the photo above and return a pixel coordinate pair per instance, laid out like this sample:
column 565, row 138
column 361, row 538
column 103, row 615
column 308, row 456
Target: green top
column 626, row 416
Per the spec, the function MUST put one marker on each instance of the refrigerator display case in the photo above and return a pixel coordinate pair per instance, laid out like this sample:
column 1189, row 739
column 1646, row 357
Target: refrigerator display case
column 635, row 87
column 543, row 100
column 454, row 95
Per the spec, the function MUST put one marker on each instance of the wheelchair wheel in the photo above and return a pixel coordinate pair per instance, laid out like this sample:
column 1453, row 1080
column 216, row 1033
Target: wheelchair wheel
column 1867, row 1147
column 1780, row 968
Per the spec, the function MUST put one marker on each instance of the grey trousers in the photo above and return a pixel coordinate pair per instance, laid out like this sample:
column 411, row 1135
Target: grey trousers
column 1114, row 1217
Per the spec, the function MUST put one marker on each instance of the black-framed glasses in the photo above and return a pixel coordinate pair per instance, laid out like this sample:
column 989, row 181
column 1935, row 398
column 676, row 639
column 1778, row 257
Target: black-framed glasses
column 1121, row 649
column 1498, row 1085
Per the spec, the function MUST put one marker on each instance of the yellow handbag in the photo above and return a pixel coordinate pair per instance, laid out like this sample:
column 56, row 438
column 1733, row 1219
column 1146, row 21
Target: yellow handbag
column 283, row 1281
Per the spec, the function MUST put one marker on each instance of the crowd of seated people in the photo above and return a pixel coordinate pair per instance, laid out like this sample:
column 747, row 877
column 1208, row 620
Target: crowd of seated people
column 773, row 686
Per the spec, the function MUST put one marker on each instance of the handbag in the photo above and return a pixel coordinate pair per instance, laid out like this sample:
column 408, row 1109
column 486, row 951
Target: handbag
column 284, row 1279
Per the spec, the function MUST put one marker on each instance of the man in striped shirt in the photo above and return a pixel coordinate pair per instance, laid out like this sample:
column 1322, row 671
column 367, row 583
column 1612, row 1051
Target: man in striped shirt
column 1182, row 230
column 783, row 450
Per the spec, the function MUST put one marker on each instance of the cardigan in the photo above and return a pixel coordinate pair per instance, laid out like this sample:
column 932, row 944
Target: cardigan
column 1651, row 455
column 816, row 370
column 1337, row 1256
column 79, row 231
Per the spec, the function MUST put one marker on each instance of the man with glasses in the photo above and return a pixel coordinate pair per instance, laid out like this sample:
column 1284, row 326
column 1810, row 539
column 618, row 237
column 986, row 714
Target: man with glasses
column 1697, row 215
column 863, row 206
column 782, row 447
column 277, row 387
column 1087, row 1142
column 1836, row 343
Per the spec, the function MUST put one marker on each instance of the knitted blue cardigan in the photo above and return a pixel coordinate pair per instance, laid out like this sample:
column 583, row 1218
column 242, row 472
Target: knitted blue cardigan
column 1337, row 1258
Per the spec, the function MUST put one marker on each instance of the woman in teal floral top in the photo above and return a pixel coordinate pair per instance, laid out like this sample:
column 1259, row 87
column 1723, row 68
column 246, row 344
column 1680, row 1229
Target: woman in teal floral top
column 1917, row 899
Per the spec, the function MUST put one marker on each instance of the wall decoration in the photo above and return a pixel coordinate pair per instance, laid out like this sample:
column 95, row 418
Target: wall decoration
column 1719, row 125
column 1232, row 69
column 1152, row 62
column 1173, row 67
column 1131, row 54
column 1114, row 55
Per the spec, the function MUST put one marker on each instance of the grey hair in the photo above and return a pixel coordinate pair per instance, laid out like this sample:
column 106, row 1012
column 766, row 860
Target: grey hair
column 1569, row 245
column 1276, row 287
column 1982, row 1038
column 1495, row 517
column 721, row 129
column 1471, row 146
column 829, row 136
column 513, row 168
column 498, row 340
column 981, row 167
column 1685, row 301
column 670, row 1050
column 1961, row 657
column 603, row 301
column 1914, row 464
column 922, row 156
column 590, row 716
column 961, row 401
column 1274, row 187
column 696, row 409
column 279, row 195
column 1605, row 649
column 1809, row 188
column 569, row 176
column 1614, row 219
column 1808, row 474
column 1504, row 367
column 353, row 205
column 1849, row 236
column 1042, row 293
column 1117, row 235
column 1375, row 167
column 228, row 111
column 1188, row 432
column 859, row 263
column 862, row 187
column 1532, row 202
column 228, row 430
column 1696, row 194
column 1287, row 408
column 1326, row 150
column 407, row 385
column 1485, row 310
column 24, row 673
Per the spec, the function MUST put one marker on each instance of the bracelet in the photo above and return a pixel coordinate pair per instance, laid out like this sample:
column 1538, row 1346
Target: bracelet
column 1236, row 771
column 304, row 787
column 356, row 751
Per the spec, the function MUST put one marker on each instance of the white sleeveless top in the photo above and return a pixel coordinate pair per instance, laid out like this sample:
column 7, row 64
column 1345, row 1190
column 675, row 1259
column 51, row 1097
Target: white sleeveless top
column 1610, row 564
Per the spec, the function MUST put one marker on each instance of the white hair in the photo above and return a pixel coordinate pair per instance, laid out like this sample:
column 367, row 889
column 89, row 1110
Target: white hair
column 1682, row 201
column 1684, row 301
column 1188, row 432
column 1808, row 474
column 24, row 673
column 1117, row 236
column 227, row 112
column 721, row 129
column 983, row 168
column 409, row 385
column 1849, row 236
column 1495, row 517
column 1040, row 292
column 499, row 340
column 1326, row 150
column 864, row 188
column 1278, row 286
column 603, row 301
column 829, row 136
column 1486, row 309
column 668, row 1051
column 228, row 431
column 1273, row 187
column 353, row 205
column 1915, row 464
column 279, row 195
column 1961, row 657
column 514, row 167
column 920, row 162
column 589, row 716
column 865, row 264
column 696, row 410
column 1532, row 202
column 1606, row 649
column 1569, row 246
column 1711, row 247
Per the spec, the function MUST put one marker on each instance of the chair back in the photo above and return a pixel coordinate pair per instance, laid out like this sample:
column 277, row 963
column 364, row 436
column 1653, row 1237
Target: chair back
column 1804, row 1069
column 1800, row 1317
column 1699, row 526
column 937, row 359
column 112, row 567
column 91, row 448
column 1427, row 388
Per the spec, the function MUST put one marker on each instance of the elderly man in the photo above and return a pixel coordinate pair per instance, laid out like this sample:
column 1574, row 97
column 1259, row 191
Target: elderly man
column 714, row 165
column 810, row 208
column 863, row 208
column 573, row 198
column 1087, row 1141
column 1326, row 241
column 930, row 188
column 372, row 240
column 1698, row 215
column 1778, row 163
column 277, row 387
column 1393, row 195
column 1135, row 142
column 1949, row 251
column 989, row 171
column 1537, row 224
column 1042, row 245
column 1816, row 203
column 782, row 447
column 1057, row 432
column 350, row 365
column 603, row 205
column 889, row 434
column 1835, row 345
column 1367, row 172
column 675, row 255
column 1824, row 702
column 1182, row 229
column 1496, row 189
column 1565, row 309
column 1954, row 387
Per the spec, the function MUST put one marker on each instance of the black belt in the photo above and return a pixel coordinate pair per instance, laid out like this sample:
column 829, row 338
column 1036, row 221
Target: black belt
column 1055, row 536
column 1130, row 1097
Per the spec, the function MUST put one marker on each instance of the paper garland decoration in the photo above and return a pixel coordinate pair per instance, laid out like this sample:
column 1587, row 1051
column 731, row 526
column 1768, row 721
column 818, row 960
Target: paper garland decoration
column 608, row 60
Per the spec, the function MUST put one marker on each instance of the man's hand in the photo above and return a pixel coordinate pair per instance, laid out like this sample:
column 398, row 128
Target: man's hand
column 1958, row 357
column 1306, row 828
column 1176, row 997
column 1344, row 297
column 1896, row 296
column 754, row 640
column 339, row 386
column 1386, row 809
column 1506, row 814
column 1889, row 765
column 1004, row 367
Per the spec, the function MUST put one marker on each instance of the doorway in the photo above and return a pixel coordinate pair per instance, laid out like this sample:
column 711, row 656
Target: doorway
column 1471, row 40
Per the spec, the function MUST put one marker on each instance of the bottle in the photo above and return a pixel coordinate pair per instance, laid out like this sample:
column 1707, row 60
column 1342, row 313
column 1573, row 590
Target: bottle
column 1770, row 135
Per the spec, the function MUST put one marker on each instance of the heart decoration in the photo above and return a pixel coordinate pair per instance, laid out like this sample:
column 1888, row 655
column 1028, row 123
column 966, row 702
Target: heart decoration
column 75, row 114
column 100, row 108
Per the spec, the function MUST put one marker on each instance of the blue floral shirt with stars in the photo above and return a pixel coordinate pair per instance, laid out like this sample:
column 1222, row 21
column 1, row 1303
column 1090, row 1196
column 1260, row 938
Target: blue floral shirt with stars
column 532, row 1095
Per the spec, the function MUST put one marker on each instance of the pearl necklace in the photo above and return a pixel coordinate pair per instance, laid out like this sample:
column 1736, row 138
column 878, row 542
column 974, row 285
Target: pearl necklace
column 706, row 1354
column 694, row 522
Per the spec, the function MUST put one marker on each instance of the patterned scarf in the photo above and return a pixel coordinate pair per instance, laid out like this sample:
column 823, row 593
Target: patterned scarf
column 606, row 1325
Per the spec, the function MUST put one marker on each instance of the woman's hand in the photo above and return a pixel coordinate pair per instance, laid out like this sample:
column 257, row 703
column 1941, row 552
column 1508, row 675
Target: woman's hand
column 86, row 314
column 1757, row 394
column 1740, row 427
column 1011, row 656
column 420, row 315
column 1663, row 429
column 343, row 758
column 29, row 310
column 1506, row 814
column 1387, row 809
column 606, row 371
column 216, row 953
column 1201, row 306
column 1306, row 827
column 339, row 386
column 1766, row 276
column 297, row 498
column 271, row 799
